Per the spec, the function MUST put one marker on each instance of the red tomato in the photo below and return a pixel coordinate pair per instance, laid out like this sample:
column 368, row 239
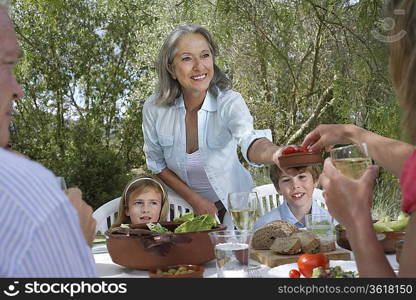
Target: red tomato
column 307, row 262
column 302, row 149
column 289, row 150
column 294, row 273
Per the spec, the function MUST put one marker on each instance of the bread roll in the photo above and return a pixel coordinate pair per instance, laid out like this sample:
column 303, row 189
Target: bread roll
column 309, row 241
column 264, row 237
column 286, row 245
column 327, row 246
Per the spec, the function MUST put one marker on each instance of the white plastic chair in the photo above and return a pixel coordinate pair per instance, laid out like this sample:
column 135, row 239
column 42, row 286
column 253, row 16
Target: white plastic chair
column 178, row 206
column 319, row 197
column 268, row 197
column 106, row 214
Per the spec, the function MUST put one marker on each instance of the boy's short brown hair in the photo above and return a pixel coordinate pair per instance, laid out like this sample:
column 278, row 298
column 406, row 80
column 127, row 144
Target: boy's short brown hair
column 276, row 173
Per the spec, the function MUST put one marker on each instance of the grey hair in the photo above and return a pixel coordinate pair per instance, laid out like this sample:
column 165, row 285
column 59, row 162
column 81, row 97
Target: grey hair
column 169, row 89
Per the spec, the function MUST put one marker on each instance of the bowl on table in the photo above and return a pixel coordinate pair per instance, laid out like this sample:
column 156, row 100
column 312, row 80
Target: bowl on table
column 139, row 248
column 387, row 239
column 178, row 271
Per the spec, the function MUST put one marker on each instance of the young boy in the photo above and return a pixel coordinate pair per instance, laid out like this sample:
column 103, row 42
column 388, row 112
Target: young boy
column 297, row 187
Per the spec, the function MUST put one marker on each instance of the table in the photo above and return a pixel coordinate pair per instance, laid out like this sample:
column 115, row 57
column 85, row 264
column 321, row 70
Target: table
column 107, row 268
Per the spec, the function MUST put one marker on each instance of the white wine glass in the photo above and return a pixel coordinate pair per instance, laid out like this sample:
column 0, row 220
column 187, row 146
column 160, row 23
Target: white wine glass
column 242, row 207
column 351, row 160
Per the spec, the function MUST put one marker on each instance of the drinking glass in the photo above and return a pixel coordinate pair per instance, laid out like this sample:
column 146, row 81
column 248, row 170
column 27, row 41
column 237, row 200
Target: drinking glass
column 322, row 225
column 61, row 182
column 351, row 160
column 231, row 249
column 243, row 209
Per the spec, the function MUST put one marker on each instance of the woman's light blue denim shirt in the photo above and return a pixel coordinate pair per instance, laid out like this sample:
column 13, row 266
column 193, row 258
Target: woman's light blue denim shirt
column 223, row 123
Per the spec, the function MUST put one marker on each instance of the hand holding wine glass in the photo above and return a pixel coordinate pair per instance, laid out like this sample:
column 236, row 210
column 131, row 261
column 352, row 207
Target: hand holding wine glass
column 351, row 160
column 87, row 222
column 61, row 182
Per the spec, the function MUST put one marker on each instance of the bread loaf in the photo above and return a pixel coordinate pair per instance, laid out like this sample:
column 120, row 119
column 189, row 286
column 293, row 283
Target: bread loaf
column 327, row 246
column 286, row 245
column 309, row 241
column 264, row 237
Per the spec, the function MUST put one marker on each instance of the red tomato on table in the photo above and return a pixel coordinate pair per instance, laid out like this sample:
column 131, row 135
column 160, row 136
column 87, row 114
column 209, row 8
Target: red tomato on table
column 294, row 273
column 307, row 262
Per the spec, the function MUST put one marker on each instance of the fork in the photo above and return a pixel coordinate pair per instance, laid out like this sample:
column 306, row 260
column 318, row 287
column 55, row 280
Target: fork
column 254, row 273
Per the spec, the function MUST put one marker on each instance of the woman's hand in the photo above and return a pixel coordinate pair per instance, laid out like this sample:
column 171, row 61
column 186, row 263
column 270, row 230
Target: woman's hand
column 349, row 201
column 327, row 135
column 204, row 206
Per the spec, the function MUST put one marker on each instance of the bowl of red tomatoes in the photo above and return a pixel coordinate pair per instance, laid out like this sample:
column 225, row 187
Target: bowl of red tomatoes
column 299, row 156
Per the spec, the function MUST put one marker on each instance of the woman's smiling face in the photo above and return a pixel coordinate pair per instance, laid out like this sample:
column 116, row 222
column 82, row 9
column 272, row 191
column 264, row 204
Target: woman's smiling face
column 193, row 64
column 144, row 206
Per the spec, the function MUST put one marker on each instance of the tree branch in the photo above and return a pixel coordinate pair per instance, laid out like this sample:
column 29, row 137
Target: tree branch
column 326, row 97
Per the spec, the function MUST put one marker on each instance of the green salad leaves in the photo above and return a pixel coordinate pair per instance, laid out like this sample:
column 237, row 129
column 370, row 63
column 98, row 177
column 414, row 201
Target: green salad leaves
column 157, row 228
column 191, row 223
column 185, row 217
column 198, row 223
column 385, row 224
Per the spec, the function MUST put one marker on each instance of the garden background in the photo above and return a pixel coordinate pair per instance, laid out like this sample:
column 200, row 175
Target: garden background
column 88, row 67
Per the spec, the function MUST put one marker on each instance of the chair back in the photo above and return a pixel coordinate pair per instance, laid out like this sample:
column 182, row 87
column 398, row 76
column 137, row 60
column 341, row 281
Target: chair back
column 106, row 214
column 319, row 197
column 268, row 197
column 178, row 206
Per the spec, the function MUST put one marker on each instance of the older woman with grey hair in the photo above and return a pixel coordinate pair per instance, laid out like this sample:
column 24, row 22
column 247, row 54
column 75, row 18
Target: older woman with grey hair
column 194, row 122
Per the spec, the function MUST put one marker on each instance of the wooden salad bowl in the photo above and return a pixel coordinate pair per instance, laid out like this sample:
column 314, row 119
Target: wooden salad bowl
column 138, row 248
column 387, row 239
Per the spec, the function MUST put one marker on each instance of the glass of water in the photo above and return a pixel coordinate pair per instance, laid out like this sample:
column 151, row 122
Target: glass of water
column 231, row 249
column 322, row 225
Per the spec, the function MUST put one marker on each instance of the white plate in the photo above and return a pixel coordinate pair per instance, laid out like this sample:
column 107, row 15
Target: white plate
column 282, row 271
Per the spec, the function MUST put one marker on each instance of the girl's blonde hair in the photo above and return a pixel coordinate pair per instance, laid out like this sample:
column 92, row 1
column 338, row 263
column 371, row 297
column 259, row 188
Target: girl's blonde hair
column 403, row 60
column 140, row 184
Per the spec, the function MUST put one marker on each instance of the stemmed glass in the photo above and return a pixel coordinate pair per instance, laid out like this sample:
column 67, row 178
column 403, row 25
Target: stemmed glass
column 61, row 182
column 242, row 207
column 351, row 160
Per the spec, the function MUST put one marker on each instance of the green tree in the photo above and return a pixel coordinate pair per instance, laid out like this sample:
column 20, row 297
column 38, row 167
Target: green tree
column 88, row 66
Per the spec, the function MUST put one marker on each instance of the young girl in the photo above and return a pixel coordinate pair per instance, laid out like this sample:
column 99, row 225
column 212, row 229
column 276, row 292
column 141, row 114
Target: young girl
column 144, row 200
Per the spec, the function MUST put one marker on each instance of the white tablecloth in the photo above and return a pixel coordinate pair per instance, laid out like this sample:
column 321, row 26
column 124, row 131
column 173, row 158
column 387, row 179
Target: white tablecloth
column 107, row 268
